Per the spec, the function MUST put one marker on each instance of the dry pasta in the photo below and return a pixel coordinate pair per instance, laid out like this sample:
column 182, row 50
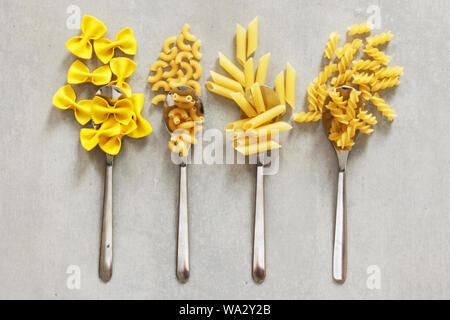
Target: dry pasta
column 366, row 76
column 255, row 132
column 178, row 64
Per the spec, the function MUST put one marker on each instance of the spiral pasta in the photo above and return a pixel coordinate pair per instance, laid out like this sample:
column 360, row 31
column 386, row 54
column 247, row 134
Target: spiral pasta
column 365, row 77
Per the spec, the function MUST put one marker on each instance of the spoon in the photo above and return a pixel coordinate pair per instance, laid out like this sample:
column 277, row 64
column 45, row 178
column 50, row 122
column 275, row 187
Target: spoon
column 259, row 243
column 183, row 264
column 340, row 231
column 109, row 93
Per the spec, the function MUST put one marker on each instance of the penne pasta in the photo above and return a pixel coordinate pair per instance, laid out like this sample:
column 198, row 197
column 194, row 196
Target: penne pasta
column 245, row 106
column 249, row 74
column 231, row 68
column 252, row 37
column 241, row 44
column 258, row 100
column 236, row 125
column 198, row 69
column 226, row 82
column 265, row 117
column 261, row 72
column 280, row 88
column 268, row 129
column 258, row 147
column 186, row 34
column 195, row 50
column 225, row 92
column 290, row 85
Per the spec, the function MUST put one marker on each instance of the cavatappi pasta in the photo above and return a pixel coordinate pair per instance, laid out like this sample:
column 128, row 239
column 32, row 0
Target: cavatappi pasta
column 178, row 64
column 110, row 120
column 259, row 122
column 361, row 65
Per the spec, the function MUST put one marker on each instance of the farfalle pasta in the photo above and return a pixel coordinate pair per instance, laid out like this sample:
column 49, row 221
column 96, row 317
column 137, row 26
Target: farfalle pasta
column 178, row 65
column 125, row 41
column 110, row 120
column 259, row 123
column 366, row 74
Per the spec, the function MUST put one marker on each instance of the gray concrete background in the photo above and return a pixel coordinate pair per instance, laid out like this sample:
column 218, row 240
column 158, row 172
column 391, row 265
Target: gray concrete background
column 51, row 189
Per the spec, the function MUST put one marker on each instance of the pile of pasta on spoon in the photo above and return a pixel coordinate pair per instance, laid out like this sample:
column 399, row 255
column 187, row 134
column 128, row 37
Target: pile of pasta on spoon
column 112, row 122
column 179, row 65
column 259, row 123
column 367, row 74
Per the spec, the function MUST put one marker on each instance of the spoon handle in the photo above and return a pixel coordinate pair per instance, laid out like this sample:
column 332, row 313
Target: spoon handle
column 183, row 266
column 259, row 248
column 106, row 250
column 339, row 250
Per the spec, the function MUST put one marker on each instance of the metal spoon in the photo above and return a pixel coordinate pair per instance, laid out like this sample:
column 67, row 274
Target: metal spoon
column 183, row 264
column 340, row 232
column 109, row 93
column 259, row 239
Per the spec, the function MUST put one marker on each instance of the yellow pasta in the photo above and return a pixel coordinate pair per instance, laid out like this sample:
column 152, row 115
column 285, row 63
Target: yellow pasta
column 198, row 69
column 158, row 99
column 258, row 147
column 366, row 77
column 169, row 56
column 182, row 45
column 290, row 85
column 156, row 77
column 173, row 71
column 261, row 72
column 360, row 29
column 331, row 45
column 231, row 68
column 194, row 84
column 252, row 44
column 225, row 92
column 265, row 117
column 188, row 71
column 226, row 82
column 241, row 44
column 280, row 88
column 168, row 43
column 161, row 85
column 158, row 64
column 186, row 34
column 183, row 55
column 249, row 73
column 258, row 100
column 236, row 125
column 196, row 50
column 245, row 106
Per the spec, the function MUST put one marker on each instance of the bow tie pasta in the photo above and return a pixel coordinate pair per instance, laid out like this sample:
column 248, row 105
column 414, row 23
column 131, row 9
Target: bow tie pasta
column 260, row 120
column 110, row 120
column 366, row 74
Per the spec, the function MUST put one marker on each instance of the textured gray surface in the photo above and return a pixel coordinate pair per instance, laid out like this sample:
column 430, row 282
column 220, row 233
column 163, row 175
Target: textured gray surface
column 51, row 189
